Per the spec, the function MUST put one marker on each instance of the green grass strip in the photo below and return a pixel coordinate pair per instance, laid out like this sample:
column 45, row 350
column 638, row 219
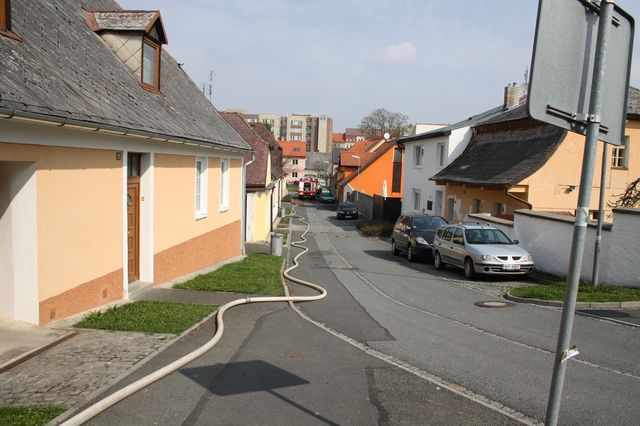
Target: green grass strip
column 586, row 293
column 256, row 274
column 34, row 415
column 148, row 317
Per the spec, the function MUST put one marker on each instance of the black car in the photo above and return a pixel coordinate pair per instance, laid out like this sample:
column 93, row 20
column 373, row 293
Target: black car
column 413, row 233
column 347, row 210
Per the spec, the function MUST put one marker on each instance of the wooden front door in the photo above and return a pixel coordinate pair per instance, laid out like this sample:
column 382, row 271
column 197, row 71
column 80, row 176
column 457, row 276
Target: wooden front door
column 133, row 228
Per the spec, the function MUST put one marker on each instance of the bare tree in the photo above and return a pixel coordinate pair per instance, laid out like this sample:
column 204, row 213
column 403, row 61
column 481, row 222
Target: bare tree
column 630, row 197
column 380, row 121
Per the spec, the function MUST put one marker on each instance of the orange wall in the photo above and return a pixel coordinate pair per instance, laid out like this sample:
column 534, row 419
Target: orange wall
column 372, row 177
column 174, row 221
column 548, row 187
column 79, row 214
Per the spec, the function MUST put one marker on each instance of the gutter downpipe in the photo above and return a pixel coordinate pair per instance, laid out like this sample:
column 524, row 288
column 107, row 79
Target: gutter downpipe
column 243, row 240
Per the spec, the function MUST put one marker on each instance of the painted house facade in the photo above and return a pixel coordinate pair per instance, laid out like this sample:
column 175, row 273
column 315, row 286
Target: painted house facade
column 263, row 177
column 115, row 171
column 513, row 162
column 294, row 155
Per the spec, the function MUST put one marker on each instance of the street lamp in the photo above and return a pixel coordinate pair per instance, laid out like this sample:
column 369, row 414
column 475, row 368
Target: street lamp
column 357, row 180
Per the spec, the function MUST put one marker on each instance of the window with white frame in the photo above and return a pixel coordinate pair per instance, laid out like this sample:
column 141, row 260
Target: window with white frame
column 620, row 155
column 418, row 153
column 440, row 154
column 416, row 199
column 294, row 174
column 201, row 187
column 224, row 184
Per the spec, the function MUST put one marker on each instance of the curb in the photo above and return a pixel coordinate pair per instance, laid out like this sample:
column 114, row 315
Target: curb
column 93, row 395
column 579, row 305
column 35, row 352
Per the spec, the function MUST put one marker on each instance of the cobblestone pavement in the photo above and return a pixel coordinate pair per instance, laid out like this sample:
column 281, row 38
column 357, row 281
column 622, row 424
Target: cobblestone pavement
column 71, row 371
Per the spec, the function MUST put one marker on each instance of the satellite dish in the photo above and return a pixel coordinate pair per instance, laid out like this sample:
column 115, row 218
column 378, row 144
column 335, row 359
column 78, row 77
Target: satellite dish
column 386, row 136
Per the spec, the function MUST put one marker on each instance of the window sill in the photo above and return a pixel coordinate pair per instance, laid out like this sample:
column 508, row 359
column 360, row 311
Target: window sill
column 224, row 209
column 11, row 35
column 200, row 216
column 619, row 168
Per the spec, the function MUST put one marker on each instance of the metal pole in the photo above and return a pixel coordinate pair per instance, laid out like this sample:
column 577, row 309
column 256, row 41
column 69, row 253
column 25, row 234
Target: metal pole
column 582, row 215
column 603, row 183
column 358, row 184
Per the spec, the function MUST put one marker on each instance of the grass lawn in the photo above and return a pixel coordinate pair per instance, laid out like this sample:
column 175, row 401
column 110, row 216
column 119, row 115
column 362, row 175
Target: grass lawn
column 586, row 293
column 34, row 415
column 288, row 210
column 256, row 274
column 148, row 317
column 376, row 229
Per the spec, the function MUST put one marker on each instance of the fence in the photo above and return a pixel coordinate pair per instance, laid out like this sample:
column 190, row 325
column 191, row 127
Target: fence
column 548, row 238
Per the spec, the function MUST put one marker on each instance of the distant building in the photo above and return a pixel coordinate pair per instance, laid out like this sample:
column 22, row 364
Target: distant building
column 315, row 131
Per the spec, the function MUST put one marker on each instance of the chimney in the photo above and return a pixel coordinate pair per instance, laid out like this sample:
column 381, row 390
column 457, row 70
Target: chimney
column 511, row 96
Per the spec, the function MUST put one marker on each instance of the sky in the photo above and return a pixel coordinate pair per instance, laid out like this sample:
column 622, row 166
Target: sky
column 437, row 61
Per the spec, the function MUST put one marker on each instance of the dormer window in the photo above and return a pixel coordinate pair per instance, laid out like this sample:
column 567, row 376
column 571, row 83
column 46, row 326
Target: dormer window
column 150, row 64
column 136, row 37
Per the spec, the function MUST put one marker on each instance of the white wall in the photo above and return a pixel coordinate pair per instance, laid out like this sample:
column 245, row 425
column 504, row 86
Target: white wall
column 548, row 238
column 18, row 242
column 417, row 177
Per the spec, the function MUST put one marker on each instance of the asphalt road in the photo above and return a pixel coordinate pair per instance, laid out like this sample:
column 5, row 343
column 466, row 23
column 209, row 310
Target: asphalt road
column 428, row 319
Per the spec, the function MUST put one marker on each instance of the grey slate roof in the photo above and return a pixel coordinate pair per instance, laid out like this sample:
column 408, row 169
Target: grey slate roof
column 63, row 70
column 503, row 154
column 633, row 103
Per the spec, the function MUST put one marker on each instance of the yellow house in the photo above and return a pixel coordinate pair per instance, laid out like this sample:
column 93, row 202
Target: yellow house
column 263, row 177
column 513, row 162
column 115, row 171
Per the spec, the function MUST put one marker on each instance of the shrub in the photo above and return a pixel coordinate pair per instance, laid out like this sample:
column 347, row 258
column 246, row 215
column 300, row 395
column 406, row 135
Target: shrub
column 375, row 228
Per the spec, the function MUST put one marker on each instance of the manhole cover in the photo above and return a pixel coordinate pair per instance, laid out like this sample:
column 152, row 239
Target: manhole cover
column 494, row 304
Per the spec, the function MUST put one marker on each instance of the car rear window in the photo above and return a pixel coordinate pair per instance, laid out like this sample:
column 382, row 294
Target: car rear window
column 423, row 223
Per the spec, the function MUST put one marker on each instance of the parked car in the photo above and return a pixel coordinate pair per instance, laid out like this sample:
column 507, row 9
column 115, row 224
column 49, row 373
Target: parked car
column 347, row 210
column 413, row 233
column 479, row 249
column 325, row 196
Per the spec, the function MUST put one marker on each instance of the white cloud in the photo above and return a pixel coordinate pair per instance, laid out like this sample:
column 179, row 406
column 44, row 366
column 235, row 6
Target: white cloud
column 399, row 52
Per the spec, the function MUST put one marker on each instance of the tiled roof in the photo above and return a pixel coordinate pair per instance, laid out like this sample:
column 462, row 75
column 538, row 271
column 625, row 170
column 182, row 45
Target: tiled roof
column 338, row 138
column 294, row 149
column 633, row 103
column 276, row 151
column 503, row 154
column 64, row 71
column 256, row 171
column 346, row 158
column 371, row 159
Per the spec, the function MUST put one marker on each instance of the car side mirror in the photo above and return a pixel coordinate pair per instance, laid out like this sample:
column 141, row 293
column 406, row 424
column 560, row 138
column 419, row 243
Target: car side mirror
column 516, row 241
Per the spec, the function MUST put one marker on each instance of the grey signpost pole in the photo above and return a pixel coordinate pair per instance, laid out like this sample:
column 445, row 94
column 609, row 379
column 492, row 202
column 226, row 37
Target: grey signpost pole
column 603, row 183
column 582, row 215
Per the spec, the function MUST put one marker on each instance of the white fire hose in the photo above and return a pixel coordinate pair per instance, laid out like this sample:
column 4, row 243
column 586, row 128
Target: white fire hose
column 130, row 389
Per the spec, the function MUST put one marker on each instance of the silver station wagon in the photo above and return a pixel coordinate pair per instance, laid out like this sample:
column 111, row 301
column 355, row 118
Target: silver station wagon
column 479, row 249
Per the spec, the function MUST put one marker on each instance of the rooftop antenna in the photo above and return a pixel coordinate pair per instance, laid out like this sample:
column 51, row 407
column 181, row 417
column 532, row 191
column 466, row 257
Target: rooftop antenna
column 526, row 75
column 210, row 84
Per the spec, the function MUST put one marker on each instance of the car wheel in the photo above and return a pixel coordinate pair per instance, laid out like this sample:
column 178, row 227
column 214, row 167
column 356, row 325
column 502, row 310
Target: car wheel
column 437, row 261
column 469, row 270
column 410, row 256
column 394, row 249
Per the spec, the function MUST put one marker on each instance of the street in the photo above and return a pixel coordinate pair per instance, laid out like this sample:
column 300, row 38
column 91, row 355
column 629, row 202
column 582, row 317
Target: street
column 428, row 319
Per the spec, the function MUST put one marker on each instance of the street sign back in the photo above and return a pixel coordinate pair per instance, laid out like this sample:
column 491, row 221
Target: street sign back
column 562, row 67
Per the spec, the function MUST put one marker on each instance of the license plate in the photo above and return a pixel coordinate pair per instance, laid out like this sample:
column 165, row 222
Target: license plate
column 511, row 267
column 347, row 216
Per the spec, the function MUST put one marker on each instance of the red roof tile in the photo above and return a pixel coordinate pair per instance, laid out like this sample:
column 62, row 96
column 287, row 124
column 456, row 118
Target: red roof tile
column 294, row 148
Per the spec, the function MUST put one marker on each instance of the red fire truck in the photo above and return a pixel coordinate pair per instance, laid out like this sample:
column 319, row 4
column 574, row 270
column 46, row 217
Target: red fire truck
column 307, row 187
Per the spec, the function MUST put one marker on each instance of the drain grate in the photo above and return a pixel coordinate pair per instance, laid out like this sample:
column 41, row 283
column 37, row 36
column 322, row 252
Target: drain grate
column 494, row 304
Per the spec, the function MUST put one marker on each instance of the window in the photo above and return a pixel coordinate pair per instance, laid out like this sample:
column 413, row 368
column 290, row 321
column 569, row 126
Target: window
column 294, row 174
column 5, row 15
column 296, row 138
column 201, row 187
column 224, row 184
column 295, row 161
column 619, row 156
column 440, row 155
column 416, row 199
column 476, row 207
column 418, row 152
column 150, row 64
column 458, row 236
column 429, row 205
column 133, row 165
column 498, row 209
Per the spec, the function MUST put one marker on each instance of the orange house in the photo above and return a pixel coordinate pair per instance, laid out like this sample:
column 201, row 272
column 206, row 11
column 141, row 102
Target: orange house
column 377, row 183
